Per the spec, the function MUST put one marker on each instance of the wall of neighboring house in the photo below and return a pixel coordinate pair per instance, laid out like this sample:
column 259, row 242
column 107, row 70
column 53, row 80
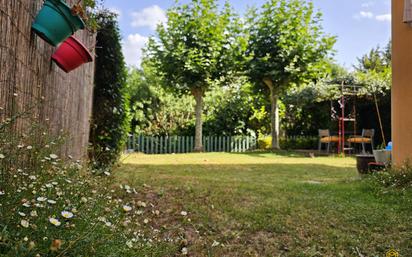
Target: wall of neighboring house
column 402, row 85
column 31, row 83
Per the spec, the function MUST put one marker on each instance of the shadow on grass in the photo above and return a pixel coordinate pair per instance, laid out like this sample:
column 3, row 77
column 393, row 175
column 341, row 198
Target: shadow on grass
column 281, row 153
column 301, row 180
column 253, row 174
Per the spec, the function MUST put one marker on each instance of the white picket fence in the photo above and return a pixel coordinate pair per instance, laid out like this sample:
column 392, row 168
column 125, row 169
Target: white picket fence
column 185, row 144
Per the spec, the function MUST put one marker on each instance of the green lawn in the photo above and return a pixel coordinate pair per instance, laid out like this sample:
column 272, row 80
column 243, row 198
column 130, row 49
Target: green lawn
column 263, row 204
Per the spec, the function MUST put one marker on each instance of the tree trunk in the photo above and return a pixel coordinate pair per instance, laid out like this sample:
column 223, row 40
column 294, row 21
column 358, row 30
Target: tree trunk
column 274, row 114
column 198, row 94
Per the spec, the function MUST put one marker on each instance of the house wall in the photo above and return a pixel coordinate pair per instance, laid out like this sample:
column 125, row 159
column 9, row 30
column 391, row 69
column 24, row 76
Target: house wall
column 31, row 83
column 402, row 85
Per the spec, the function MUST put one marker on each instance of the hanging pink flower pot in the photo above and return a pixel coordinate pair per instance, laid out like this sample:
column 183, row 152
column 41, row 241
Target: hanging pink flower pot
column 71, row 54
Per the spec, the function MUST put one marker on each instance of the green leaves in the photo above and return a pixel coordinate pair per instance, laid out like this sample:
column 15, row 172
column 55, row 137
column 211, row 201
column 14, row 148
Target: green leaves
column 110, row 104
column 199, row 45
column 286, row 43
column 374, row 71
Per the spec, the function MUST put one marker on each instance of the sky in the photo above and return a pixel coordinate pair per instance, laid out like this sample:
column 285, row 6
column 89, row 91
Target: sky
column 359, row 25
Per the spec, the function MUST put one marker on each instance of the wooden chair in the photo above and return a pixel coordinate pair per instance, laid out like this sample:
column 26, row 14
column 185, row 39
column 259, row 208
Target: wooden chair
column 326, row 138
column 366, row 138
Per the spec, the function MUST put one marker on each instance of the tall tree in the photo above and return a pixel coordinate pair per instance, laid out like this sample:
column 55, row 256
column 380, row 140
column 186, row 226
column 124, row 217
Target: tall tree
column 377, row 60
column 287, row 47
column 196, row 48
column 374, row 74
column 110, row 101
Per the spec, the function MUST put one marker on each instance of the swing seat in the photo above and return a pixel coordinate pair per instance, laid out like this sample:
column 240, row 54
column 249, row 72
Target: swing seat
column 366, row 138
column 329, row 139
column 359, row 140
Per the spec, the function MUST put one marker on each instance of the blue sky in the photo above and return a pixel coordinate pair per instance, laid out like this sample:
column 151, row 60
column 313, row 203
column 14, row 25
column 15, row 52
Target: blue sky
column 358, row 24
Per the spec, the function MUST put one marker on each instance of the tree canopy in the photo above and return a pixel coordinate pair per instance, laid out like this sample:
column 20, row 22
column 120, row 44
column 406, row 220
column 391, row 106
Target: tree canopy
column 287, row 46
column 196, row 48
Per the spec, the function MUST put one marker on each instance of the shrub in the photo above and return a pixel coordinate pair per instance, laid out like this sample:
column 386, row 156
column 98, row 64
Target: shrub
column 290, row 143
column 399, row 177
column 265, row 143
column 110, row 121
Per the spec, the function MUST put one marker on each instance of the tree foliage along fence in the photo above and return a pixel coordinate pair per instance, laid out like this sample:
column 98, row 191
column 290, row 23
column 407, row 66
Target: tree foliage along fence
column 230, row 144
column 185, row 144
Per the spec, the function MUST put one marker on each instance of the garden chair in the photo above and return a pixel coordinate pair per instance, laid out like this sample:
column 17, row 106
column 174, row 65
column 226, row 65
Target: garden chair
column 366, row 138
column 326, row 138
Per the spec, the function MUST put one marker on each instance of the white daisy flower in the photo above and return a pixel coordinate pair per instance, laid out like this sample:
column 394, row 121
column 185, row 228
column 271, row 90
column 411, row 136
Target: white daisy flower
column 183, row 213
column 24, row 223
column 29, row 147
column 141, row 204
column 184, row 251
column 2, row 193
column 67, row 214
column 53, row 156
column 22, row 214
column 51, row 201
column 127, row 208
column 2, row 156
column 55, row 222
column 41, row 199
column 129, row 244
column 26, row 204
column 33, row 213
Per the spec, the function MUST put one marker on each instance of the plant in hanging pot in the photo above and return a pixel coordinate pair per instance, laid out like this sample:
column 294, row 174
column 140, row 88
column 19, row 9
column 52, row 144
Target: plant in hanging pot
column 86, row 10
column 57, row 21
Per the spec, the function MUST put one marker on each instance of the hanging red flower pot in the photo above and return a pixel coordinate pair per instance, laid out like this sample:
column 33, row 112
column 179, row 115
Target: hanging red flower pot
column 71, row 54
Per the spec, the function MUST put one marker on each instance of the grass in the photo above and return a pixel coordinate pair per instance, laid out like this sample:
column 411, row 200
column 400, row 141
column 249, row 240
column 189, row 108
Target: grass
column 264, row 204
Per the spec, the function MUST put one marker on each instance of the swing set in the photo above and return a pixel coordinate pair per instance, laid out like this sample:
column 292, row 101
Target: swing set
column 346, row 116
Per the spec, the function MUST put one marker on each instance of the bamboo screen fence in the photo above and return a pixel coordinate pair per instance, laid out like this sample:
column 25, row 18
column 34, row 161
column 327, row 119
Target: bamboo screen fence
column 31, row 83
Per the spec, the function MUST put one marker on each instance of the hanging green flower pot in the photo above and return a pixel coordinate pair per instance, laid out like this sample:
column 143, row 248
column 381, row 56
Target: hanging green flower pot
column 55, row 22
